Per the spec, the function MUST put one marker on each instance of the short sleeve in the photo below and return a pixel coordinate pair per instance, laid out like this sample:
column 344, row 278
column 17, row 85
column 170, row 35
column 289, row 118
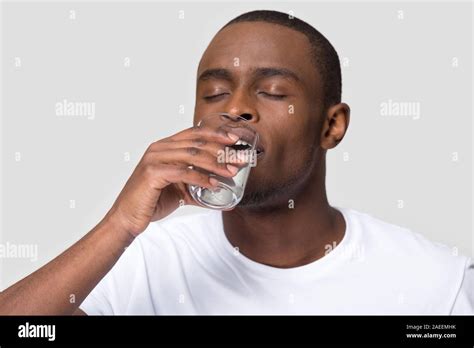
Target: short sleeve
column 464, row 303
column 112, row 294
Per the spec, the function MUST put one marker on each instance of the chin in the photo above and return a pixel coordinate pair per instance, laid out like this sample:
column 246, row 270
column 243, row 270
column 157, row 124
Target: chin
column 263, row 200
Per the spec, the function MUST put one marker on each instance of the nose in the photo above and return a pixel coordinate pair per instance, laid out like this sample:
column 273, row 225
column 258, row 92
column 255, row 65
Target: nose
column 241, row 104
column 248, row 116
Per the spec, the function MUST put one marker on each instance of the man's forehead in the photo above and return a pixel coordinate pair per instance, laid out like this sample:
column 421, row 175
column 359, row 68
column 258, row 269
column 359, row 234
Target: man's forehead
column 242, row 48
column 249, row 57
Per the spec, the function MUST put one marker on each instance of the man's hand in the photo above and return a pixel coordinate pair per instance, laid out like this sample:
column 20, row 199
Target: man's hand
column 158, row 184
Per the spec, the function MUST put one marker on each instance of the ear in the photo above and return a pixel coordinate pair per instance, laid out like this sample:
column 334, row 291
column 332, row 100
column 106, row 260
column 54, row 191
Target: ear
column 335, row 125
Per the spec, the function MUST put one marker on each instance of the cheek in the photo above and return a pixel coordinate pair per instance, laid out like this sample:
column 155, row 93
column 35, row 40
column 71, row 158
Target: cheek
column 296, row 144
column 282, row 110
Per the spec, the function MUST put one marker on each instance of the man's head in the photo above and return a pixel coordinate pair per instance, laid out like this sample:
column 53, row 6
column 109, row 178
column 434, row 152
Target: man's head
column 284, row 77
column 321, row 53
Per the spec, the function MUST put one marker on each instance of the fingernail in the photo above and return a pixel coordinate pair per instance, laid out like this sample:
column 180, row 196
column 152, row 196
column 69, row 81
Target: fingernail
column 213, row 181
column 232, row 169
column 233, row 136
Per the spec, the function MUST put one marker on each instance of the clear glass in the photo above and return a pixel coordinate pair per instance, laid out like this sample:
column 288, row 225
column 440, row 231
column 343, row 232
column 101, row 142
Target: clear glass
column 230, row 190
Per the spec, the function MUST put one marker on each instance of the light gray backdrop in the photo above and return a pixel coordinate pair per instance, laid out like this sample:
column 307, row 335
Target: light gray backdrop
column 407, row 74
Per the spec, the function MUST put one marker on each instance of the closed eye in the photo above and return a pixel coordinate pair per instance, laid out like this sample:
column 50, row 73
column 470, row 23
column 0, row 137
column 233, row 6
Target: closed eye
column 215, row 96
column 273, row 96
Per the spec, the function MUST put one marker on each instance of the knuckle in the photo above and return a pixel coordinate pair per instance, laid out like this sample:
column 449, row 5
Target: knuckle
column 151, row 147
column 193, row 151
column 154, row 146
column 199, row 142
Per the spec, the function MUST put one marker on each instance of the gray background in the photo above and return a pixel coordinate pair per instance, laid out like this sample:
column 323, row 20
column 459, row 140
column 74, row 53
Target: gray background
column 383, row 159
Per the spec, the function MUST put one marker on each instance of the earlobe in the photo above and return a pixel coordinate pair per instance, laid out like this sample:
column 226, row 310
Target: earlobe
column 335, row 125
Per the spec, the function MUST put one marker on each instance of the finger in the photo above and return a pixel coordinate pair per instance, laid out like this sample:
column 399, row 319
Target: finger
column 165, row 174
column 223, row 153
column 192, row 156
column 209, row 133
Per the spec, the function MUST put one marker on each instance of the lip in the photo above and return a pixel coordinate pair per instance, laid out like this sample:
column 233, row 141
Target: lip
column 259, row 146
column 247, row 136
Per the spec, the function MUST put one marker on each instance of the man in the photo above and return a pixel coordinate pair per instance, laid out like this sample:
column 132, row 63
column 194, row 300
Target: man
column 283, row 249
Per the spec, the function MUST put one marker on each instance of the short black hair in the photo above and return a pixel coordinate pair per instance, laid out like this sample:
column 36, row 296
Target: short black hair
column 324, row 56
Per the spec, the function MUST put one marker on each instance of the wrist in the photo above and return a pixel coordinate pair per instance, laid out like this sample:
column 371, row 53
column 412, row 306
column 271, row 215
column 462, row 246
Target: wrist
column 112, row 224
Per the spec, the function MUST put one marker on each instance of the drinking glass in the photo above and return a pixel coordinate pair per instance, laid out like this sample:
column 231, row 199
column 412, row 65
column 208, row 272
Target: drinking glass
column 229, row 191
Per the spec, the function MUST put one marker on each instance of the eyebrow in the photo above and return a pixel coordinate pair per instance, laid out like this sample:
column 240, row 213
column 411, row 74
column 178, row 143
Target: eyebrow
column 218, row 74
column 260, row 73
column 257, row 73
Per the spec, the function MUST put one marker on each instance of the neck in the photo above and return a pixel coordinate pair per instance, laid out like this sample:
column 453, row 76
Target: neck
column 287, row 236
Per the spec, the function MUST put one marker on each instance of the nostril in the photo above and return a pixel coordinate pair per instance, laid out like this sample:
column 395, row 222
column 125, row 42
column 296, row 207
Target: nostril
column 247, row 117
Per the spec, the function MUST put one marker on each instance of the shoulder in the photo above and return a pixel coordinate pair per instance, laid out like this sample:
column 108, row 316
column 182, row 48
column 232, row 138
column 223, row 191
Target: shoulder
column 407, row 259
column 399, row 241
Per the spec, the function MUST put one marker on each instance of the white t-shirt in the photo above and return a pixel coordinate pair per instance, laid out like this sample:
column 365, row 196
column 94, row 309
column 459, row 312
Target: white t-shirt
column 186, row 265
